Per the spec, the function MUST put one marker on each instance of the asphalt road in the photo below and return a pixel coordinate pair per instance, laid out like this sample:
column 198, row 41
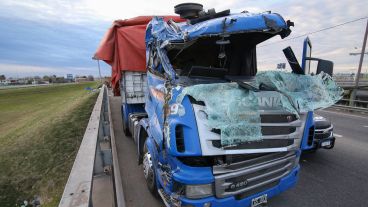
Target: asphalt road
column 328, row 178
column 337, row 177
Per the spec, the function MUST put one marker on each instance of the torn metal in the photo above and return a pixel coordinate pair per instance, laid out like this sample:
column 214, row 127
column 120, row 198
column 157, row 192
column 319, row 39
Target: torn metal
column 163, row 36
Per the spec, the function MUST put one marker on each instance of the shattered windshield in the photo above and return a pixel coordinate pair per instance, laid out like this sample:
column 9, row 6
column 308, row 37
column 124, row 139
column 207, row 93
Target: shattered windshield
column 234, row 110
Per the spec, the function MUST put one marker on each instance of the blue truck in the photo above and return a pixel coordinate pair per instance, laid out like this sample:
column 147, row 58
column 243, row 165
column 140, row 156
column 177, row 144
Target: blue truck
column 185, row 160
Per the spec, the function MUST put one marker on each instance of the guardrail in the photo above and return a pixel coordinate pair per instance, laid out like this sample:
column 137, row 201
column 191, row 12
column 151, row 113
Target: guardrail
column 362, row 83
column 95, row 177
column 355, row 101
column 350, row 108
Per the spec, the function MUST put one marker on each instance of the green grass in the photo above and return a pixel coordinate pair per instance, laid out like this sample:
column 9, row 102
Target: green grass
column 40, row 132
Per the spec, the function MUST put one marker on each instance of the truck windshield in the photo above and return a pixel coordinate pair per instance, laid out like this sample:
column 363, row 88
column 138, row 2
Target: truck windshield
column 218, row 56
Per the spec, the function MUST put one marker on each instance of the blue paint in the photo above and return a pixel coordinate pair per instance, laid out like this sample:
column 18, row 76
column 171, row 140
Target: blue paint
column 188, row 122
column 309, row 124
column 285, row 183
column 191, row 175
column 158, row 30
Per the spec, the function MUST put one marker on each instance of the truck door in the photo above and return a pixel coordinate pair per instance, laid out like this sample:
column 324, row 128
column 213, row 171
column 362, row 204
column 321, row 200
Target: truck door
column 308, row 135
column 156, row 96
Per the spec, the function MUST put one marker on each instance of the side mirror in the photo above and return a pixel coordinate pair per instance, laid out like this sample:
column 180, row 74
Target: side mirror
column 325, row 66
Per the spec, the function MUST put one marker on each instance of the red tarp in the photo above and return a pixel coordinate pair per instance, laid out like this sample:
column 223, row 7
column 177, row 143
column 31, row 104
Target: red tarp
column 123, row 47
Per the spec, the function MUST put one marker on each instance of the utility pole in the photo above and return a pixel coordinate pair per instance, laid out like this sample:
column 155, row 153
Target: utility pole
column 99, row 70
column 353, row 94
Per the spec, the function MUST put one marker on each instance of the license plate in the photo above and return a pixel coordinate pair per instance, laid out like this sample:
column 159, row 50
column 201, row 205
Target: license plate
column 328, row 143
column 259, row 200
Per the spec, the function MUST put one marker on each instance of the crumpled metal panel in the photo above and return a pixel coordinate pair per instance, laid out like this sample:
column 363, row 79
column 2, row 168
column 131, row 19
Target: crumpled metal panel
column 235, row 111
column 159, row 30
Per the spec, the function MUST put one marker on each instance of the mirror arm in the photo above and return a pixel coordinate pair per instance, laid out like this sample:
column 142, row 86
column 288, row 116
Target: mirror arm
column 312, row 58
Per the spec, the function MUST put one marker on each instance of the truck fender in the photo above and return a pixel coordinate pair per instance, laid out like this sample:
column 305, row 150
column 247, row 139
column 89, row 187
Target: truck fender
column 142, row 135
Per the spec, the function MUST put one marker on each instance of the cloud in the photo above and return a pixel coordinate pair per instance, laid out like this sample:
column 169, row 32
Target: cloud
column 63, row 34
column 57, row 45
column 82, row 11
column 334, row 44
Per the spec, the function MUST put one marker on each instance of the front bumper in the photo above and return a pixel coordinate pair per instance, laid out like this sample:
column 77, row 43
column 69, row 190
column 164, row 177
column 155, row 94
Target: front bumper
column 324, row 138
column 320, row 143
column 284, row 184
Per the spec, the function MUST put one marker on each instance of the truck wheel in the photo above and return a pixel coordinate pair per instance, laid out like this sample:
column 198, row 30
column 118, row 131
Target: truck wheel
column 125, row 125
column 149, row 171
column 126, row 130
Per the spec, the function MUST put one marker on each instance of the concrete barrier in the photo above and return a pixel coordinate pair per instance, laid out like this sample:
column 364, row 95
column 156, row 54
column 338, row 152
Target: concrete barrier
column 95, row 177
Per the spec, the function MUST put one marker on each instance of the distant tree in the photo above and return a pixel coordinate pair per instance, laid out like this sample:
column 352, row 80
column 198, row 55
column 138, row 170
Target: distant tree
column 45, row 78
column 2, row 77
column 90, row 78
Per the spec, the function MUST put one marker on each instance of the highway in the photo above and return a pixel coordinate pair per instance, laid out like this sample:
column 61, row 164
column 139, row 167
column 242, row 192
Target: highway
column 336, row 177
column 328, row 178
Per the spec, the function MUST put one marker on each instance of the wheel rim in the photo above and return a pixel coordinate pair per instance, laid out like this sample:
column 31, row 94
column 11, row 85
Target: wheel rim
column 147, row 166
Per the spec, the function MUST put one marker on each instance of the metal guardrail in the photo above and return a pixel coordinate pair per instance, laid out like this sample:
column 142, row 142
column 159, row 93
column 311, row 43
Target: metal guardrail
column 350, row 108
column 356, row 105
column 95, row 178
column 119, row 193
column 362, row 83
column 355, row 101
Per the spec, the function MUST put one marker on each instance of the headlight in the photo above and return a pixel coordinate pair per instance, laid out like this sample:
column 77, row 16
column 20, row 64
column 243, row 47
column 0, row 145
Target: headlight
column 198, row 191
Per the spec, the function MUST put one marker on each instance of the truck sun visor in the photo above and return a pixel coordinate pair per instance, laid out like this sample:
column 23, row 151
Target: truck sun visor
column 235, row 110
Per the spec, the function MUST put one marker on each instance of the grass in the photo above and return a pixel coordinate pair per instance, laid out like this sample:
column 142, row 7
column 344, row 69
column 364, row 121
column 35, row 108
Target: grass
column 40, row 132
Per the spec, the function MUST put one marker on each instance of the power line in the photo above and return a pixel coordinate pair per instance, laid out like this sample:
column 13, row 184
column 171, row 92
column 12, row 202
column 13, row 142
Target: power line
column 320, row 30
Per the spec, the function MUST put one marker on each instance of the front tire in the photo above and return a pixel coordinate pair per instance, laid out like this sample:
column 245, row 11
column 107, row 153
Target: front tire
column 149, row 171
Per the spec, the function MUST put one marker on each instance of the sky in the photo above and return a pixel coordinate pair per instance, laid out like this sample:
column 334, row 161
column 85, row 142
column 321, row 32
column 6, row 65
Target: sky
column 45, row 37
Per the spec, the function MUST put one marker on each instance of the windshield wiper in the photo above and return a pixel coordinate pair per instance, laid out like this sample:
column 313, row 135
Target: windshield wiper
column 247, row 86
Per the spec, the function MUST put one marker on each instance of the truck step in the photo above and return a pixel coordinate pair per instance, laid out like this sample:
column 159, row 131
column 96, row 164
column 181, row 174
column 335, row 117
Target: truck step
column 165, row 197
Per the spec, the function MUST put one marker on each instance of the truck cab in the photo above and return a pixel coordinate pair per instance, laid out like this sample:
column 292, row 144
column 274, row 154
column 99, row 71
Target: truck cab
column 210, row 129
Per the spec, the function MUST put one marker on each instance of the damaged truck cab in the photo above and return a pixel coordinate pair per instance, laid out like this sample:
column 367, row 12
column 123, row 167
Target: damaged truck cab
column 185, row 158
column 215, row 132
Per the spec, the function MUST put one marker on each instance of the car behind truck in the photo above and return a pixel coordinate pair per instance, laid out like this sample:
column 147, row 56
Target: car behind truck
column 210, row 130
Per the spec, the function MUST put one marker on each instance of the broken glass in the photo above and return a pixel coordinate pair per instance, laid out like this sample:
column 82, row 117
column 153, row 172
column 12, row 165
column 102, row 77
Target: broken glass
column 235, row 110
column 302, row 93
column 230, row 109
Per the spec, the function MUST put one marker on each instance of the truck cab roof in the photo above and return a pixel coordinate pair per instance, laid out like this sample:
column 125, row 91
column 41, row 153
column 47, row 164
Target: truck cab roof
column 171, row 32
column 214, row 48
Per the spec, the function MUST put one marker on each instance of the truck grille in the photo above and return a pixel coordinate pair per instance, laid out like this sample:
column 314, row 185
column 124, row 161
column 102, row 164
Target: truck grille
column 281, row 131
column 322, row 135
column 275, row 129
column 252, row 175
column 257, row 144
